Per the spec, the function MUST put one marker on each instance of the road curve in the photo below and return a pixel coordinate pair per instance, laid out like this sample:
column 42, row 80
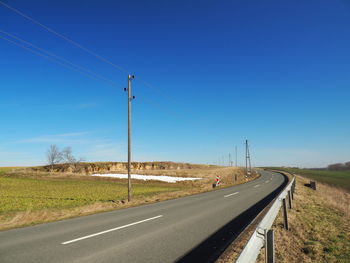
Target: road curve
column 178, row 230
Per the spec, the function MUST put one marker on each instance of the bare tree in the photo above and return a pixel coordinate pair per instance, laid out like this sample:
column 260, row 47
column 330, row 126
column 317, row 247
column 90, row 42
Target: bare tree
column 53, row 155
column 68, row 158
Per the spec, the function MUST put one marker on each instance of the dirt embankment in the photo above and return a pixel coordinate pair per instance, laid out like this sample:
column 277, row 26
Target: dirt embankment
column 105, row 167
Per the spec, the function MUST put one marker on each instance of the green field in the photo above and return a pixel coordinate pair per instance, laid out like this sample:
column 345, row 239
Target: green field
column 335, row 178
column 23, row 194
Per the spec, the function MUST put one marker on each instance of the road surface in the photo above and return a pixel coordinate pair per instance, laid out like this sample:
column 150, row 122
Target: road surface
column 178, row 230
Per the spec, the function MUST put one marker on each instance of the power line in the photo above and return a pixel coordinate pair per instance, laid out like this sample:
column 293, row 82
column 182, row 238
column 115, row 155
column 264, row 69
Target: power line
column 89, row 51
column 64, row 37
column 80, row 68
column 49, row 58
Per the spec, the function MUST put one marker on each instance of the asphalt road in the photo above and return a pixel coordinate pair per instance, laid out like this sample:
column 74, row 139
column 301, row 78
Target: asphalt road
column 160, row 232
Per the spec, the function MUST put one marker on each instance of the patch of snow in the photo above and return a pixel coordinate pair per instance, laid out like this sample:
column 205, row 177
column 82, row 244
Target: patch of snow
column 163, row 178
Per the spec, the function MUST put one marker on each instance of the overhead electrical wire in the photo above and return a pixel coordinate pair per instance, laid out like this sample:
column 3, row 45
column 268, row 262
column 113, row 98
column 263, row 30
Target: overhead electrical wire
column 64, row 37
column 89, row 51
column 51, row 59
column 50, row 54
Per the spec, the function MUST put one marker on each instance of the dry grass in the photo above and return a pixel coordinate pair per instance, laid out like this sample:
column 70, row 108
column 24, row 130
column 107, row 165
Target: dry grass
column 335, row 198
column 25, row 218
column 319, row 226
column 30, row 216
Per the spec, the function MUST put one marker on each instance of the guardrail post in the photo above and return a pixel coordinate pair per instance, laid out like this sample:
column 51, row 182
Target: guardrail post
column 285, row 214
column 269, row 246
column 289, row 200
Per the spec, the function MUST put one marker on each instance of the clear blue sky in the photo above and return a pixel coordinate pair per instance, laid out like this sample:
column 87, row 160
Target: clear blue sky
column 274, row 72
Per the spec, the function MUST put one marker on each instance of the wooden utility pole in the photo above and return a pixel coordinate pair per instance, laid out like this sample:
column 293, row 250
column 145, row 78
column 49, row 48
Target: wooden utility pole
column 130, row 97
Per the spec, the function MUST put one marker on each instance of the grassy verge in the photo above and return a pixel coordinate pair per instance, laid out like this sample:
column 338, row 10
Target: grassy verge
column 335, row 178
column 319, row 226
column 31, row 198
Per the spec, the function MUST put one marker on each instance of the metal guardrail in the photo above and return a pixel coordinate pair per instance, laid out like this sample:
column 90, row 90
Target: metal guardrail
column 258, row 238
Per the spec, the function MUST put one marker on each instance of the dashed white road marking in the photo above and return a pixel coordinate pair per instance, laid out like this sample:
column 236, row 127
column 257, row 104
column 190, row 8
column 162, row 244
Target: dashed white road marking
column 267, row 181
column 255, row 186
column 231, row 194
column 110, row 230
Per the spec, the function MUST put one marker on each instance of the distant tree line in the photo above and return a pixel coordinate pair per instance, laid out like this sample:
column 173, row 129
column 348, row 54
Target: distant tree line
column 55, row 156
column 339, row 167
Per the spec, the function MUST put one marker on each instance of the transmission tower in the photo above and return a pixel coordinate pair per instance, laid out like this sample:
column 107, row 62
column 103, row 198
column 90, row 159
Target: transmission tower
column 248, row 166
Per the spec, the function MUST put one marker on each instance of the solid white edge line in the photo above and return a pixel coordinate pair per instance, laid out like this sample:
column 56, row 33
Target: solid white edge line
column 256, row 185
column 231, row 194
column 110, row 230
